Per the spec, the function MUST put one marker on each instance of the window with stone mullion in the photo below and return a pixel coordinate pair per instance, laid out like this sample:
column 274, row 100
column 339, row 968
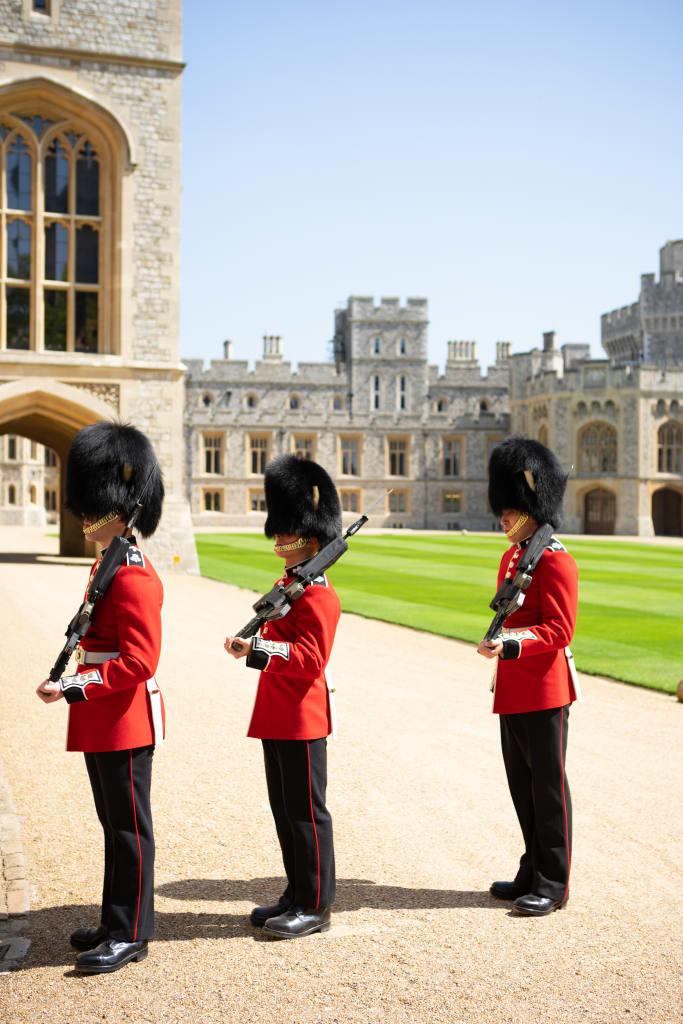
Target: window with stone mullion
column 50, row 263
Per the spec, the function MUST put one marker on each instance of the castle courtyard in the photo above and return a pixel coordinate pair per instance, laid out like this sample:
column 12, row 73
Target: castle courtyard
column 423, row 824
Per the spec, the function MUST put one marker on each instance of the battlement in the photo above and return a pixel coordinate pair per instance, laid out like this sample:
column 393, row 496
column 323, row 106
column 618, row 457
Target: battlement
column 620, row 320
column 362, row 307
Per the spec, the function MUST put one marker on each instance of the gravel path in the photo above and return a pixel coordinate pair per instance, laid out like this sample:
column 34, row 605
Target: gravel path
column 423, row 824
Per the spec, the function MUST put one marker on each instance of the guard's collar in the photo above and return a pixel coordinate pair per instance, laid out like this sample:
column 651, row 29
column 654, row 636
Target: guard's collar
column 133, row 543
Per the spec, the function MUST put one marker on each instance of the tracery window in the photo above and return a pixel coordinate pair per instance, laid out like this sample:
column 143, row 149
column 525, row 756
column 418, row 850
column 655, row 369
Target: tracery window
column 450, row 502
column 398, row 501
column 212, row 501
column 350, row 500
column 349, row 456
column 398, row 456
column 258, row 452
column 51, row 225
column 304, row 446
column 670, row 448
column 598, row 449
column 213, row 453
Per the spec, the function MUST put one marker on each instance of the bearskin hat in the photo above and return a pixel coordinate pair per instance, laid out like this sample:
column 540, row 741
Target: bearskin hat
column 301, row 499
column 525, row 475
column 106, row 470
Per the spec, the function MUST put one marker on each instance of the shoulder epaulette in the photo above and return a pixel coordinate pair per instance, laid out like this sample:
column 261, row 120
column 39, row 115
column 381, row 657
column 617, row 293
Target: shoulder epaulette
column 135, row 557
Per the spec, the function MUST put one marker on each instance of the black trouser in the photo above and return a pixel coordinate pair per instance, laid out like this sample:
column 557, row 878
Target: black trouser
column 121, row 781
column 296, row 774
column 534, row 751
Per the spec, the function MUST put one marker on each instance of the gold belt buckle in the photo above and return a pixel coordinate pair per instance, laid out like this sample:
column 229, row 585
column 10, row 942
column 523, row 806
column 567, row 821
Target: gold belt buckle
column 80, row 656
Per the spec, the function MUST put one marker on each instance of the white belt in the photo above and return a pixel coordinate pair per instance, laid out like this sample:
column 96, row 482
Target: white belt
column 572, row 672
column 155, row 703
column 333, row 711
column 99, row 658
column 95, row 657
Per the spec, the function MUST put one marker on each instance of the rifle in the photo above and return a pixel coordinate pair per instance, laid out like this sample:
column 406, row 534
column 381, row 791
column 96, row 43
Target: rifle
column 113, row 559
column 511, row 593
column 277, row 602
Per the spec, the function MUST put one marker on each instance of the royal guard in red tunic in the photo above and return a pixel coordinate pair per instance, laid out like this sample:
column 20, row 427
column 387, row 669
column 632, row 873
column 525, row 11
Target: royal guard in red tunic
column 115, row 707
column 535, row 681
column 292, row 715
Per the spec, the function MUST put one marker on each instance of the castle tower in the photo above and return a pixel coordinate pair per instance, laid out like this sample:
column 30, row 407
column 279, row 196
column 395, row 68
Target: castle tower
column 90, row 213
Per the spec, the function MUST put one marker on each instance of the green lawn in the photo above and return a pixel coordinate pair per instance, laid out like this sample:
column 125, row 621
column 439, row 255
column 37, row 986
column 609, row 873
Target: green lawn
column 630, row 623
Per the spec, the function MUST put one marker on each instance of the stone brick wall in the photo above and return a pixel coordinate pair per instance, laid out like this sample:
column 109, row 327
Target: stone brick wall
column 141, row 28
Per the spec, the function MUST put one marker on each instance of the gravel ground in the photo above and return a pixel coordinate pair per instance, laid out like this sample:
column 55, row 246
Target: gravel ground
column 423, row 824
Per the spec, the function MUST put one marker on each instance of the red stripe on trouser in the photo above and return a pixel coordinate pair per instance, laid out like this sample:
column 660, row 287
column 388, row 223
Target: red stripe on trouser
column 315, row 831
column 137, row 836
column 564, row 804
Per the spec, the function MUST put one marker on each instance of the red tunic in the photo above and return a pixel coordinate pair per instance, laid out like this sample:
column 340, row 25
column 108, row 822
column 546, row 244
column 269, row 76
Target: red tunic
column 291, row 700
column 544, row 625
column 116, row 713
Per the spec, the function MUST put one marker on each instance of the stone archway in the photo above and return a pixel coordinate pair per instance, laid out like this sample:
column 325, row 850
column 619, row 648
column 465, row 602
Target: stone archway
column 52, row 413
column 599, row 511
column 667, row 512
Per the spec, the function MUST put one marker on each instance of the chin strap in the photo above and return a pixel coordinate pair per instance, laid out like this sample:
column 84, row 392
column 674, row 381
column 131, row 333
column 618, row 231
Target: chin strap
column 300, row 542
column 523, row 518
column 94, row 527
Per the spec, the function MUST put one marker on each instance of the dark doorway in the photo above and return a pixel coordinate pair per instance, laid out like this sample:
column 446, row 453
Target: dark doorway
column 600, row 512
column 667, row 513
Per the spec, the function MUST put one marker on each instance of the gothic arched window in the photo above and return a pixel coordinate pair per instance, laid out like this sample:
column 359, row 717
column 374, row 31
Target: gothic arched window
column 55, row 217
column 598, row 449
column 670, row 448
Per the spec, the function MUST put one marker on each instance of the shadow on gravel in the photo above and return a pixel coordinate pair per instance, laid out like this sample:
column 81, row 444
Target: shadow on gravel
column 49, row 931
column 352, row 894
column 33, row 558
column 49, row 928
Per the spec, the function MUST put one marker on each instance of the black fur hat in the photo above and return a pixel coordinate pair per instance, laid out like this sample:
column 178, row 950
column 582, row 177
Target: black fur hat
column 301, row 499
column 525, row 475
column 106, row 470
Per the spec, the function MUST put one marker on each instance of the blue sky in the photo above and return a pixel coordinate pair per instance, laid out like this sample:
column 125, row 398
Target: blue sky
column 520, row 165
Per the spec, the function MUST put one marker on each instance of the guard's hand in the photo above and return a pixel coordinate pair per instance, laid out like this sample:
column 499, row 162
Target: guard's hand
column 237, row 646
column 490, row 648
column 49, row 692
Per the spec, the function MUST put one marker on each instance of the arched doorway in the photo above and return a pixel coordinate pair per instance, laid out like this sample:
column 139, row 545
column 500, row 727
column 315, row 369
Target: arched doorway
column 667, row 512
column 51, row 414
column 599, row 511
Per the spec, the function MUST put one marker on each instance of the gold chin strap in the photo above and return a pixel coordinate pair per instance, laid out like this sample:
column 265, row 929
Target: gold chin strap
column 523, row 517
column 301, row 542
column 98, row 524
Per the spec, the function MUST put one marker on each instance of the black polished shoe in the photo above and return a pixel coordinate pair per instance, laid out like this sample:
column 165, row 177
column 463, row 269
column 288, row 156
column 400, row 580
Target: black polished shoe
column 506, row 890
column 87, row 938
column 295, row 923
column 536, row 906
column 110, row 955
column 260, row 915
